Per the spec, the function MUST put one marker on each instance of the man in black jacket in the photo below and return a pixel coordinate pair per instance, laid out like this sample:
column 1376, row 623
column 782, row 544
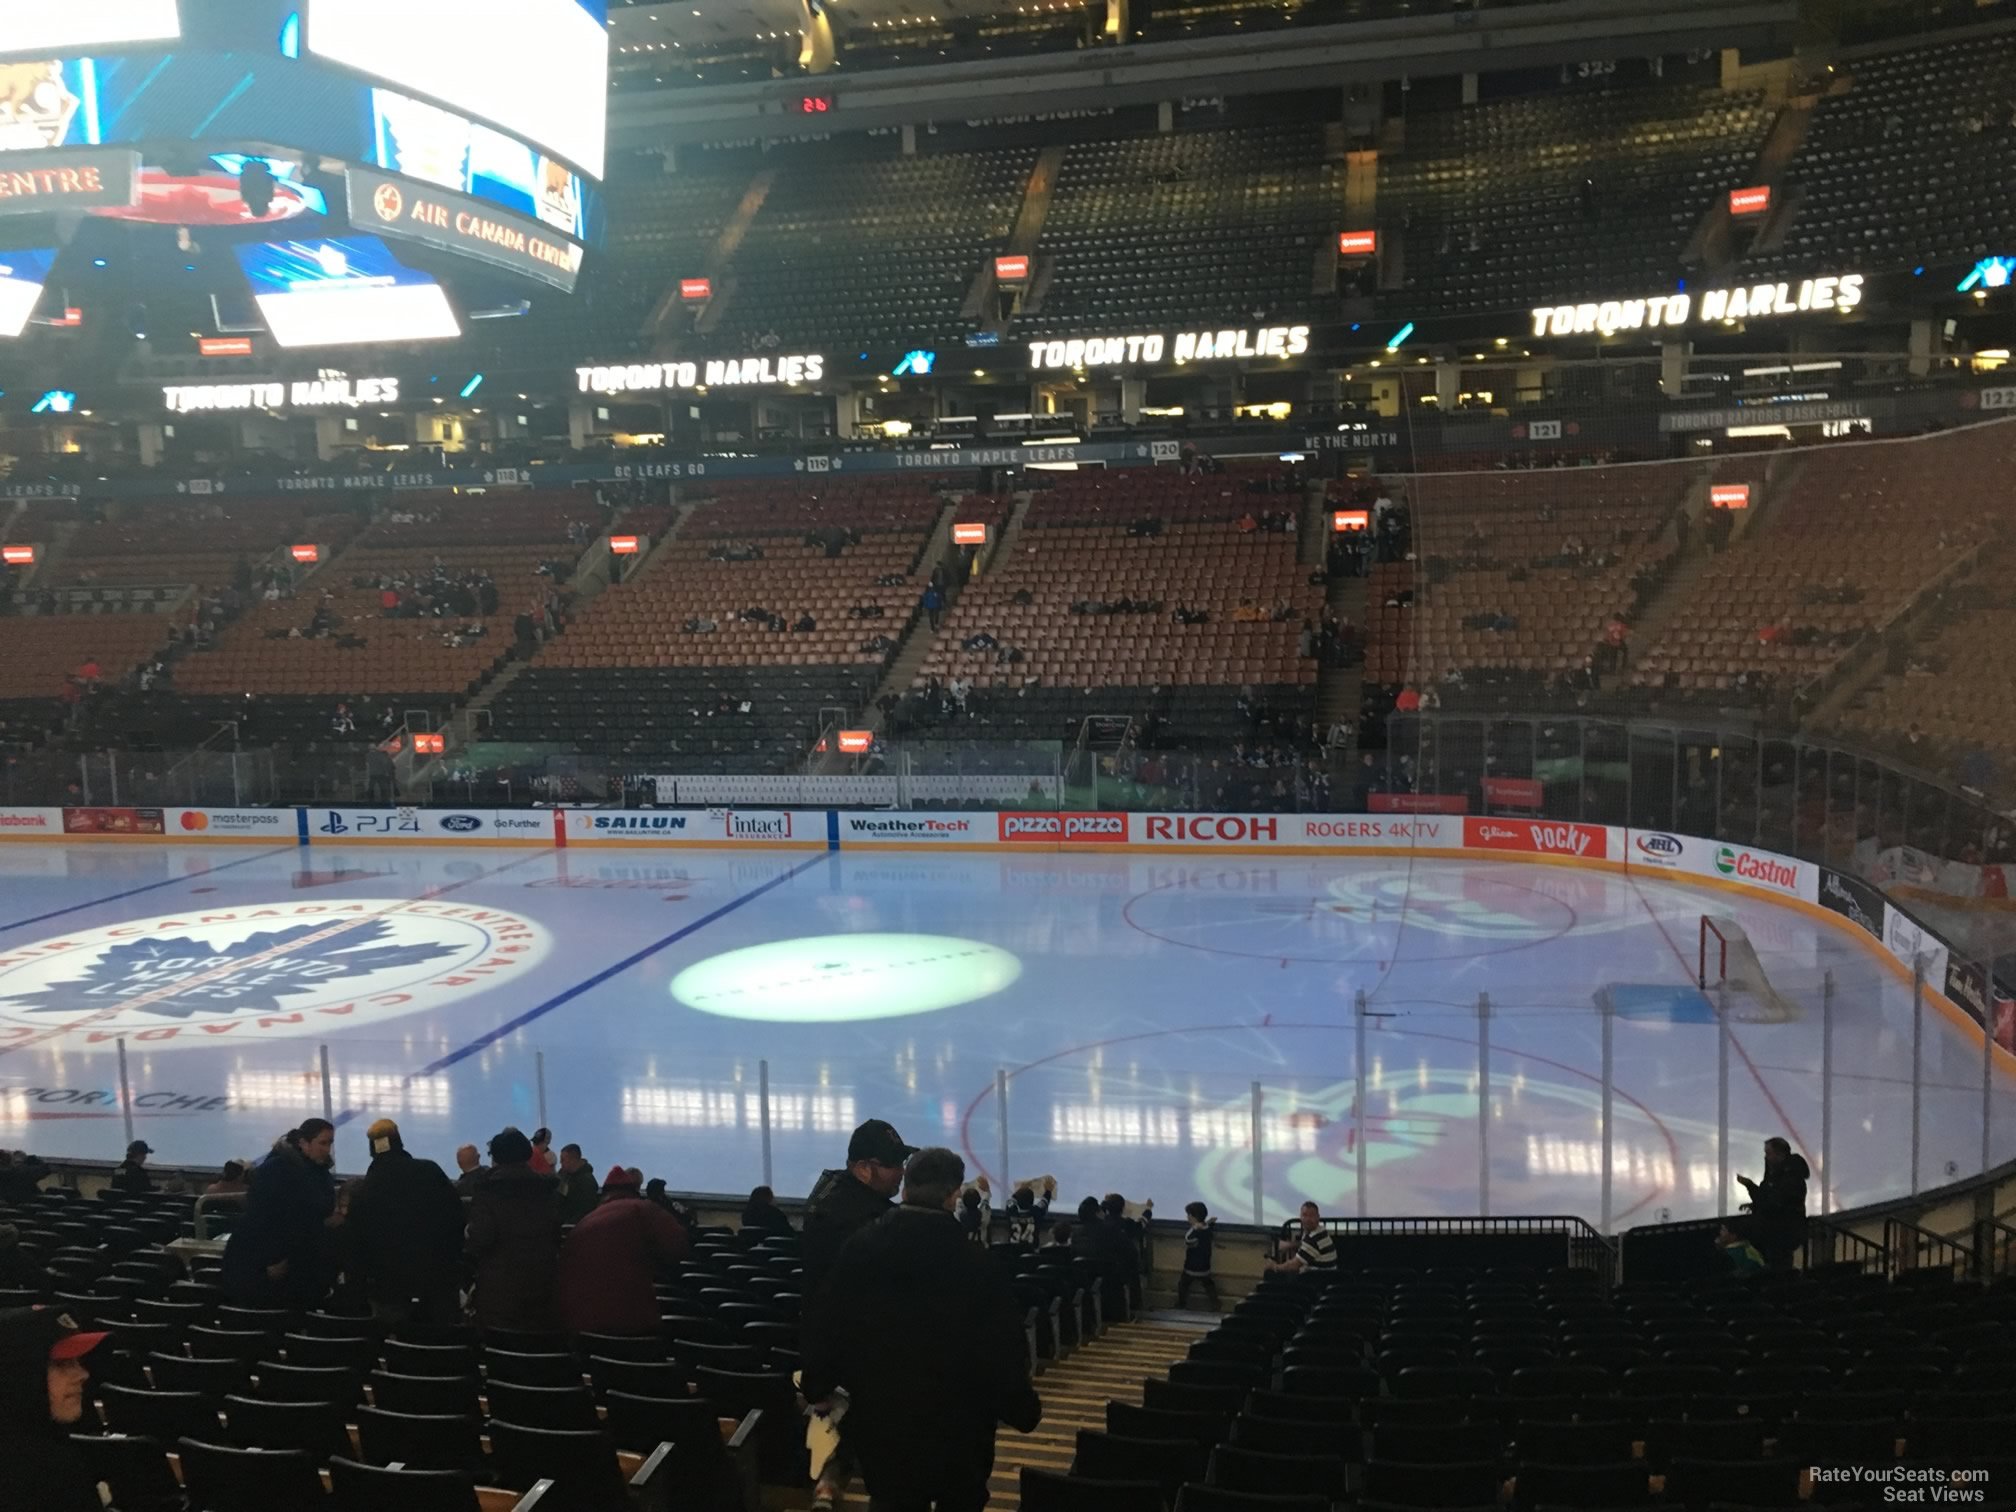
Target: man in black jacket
column 842, row 1203
column 406, row 1234
column 1778, row 1203
column 930, row 1345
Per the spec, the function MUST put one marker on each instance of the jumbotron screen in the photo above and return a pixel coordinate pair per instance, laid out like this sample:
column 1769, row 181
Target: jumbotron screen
column 87, row 23
column 537, row 68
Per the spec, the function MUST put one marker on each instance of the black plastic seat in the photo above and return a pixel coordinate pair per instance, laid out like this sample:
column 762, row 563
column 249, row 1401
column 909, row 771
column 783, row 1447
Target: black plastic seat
column 374, row 1488
column 223, row 1479
column 163, row 1415
column 427, row 1395
column 313, row 1427
column 558, row 1407
column 1045, row 1491
column 429, row 1441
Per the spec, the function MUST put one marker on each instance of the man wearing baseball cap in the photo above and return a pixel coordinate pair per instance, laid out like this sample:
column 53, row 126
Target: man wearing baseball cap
column 42, row 1376
column 842, row 1203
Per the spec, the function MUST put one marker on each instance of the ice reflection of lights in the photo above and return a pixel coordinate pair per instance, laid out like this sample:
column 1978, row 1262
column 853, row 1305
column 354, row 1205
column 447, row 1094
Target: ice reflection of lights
column 1551, row 1155
column 381, row 1092
column 699, row 1107
column 1170, row 1127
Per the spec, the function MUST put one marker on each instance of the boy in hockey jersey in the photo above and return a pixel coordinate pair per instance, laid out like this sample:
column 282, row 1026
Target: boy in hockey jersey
column 1197, row 1242
column 1025, row 1213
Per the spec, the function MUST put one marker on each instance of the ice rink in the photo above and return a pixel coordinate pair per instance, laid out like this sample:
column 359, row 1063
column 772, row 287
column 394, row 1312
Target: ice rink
column 1129, row 1005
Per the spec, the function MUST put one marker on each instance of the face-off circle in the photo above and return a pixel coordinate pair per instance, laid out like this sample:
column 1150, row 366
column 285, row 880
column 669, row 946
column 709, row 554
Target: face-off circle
column 265, row 971
column 835, row 979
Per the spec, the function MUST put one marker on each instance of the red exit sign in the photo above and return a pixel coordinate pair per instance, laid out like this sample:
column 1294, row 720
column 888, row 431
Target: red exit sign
column 856, row 742
column 1729, row 495
column 18, row 556
column 1344, row 521
column 1750, row 201
column 1011, row 270
column 430, row 745
column 1357, row 243
column 693, row 290
column 623, row 545
column 224, row 346
column 305, row 553
column 969, row 535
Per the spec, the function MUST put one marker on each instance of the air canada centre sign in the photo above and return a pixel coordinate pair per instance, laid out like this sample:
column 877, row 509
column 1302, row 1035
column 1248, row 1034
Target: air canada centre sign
column 281, row 970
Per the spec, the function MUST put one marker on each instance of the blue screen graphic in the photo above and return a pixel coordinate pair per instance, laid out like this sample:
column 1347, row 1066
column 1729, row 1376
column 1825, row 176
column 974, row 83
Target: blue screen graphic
column 322, row 262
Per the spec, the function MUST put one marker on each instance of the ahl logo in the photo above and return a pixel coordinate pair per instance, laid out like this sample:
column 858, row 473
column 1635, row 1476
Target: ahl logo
column 1660, row 847
column 461, row 824
column 276, row 971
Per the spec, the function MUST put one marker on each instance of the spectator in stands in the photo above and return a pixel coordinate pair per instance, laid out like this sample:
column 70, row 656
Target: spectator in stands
column 805, row 624
column 42, row 1376
column 1197, row 1243
column 610, row 1264
column 1305, row 641
column 975, row 1213
column 89, row 673
column 1247, row 523
column 405, row 1231
column 281, row 1252
column 761, row 1212
column 934, row 605
column 469, row 1163
column 1025, row 1212
column 1741, row 1256
column 701, row 624
column 542, row 1152
column 514, row 1238
column 21, row 1175
column 131, row 1176
column 1778, row 1203
column 19, row 1270
column 843, row 1202
column 342, row 722
column 929, row 1347
column 1100, row 1242
column 230, row 1181
column 1311, row 1249
column 578, row 1189
column 1409, row 701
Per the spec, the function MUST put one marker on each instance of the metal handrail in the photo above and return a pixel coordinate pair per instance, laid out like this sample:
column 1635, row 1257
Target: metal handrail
column 1994, row 1249
column 1586, row 1247
column 1829, row 1243
column 210, row 1202
column 1907, row 1247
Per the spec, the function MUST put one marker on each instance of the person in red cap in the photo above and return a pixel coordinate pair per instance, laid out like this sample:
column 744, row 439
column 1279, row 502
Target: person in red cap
column 610, row 1263
column 42, row 1376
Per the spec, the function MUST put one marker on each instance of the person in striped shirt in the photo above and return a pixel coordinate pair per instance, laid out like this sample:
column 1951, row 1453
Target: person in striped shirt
column 1315, row 1248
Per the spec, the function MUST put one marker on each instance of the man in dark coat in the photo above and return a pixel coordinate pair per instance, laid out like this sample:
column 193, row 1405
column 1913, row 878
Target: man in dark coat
column 131, row 1175
column 514, row 1238
column 578, row 1189
column 609, row 1265
column 406, row 1234
column 761, row 1213
column 21, row 1175
column 842, row 1203
column 1098, row 1237
column 281, row 1253
column 929, row 1342
column 1778, row 1203
column 42, row 1376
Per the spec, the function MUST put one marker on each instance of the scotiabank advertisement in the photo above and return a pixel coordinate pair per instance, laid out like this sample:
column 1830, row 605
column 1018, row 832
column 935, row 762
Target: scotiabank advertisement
column 31, row 823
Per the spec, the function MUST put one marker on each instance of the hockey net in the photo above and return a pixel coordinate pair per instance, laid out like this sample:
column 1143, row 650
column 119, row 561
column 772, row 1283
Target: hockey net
column 1730, row 970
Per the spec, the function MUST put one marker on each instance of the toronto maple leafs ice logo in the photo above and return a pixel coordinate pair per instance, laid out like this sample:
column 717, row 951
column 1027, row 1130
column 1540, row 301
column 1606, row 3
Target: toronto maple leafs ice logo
column 177, row 977
column 262, row 971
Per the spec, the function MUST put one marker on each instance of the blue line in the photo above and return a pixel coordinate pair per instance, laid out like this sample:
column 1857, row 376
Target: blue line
column 832, row 829
column 560, row 1000
column 134, row 892
column 301, row 826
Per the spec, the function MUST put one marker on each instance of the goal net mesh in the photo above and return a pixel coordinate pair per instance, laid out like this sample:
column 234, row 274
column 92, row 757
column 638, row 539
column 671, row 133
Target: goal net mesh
column 1729, row 963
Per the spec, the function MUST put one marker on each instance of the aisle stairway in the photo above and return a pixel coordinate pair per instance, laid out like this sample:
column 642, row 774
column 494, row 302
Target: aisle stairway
column 1075, row 1392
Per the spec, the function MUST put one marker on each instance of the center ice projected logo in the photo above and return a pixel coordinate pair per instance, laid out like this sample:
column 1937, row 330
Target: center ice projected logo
column 274, row 971
column 828, row 979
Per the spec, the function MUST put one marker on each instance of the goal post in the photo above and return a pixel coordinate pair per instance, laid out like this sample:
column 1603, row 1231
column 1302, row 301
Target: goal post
column 1728, row 966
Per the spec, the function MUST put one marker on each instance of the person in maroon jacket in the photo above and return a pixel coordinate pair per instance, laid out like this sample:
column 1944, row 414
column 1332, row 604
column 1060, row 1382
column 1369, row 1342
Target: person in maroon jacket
column 610, row 1263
